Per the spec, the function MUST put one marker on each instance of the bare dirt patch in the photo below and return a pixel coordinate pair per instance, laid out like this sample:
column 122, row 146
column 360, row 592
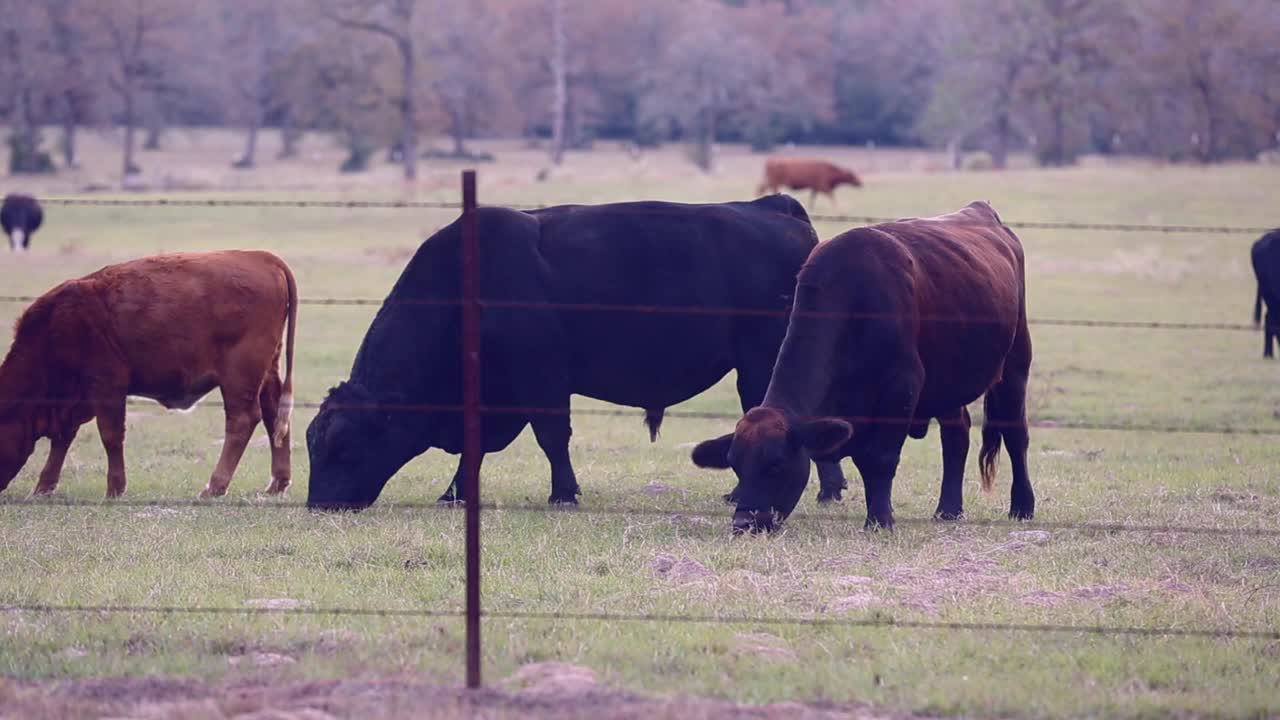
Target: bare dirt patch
column 680, row 570
column 544, row 690
column 764, row 645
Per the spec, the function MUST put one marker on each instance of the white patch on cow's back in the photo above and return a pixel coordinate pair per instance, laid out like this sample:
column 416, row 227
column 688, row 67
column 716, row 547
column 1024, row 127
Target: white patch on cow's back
column 16, row 239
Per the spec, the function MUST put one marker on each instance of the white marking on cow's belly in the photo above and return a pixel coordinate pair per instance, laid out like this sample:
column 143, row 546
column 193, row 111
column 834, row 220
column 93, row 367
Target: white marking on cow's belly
column 181, row 403
column 15, row 239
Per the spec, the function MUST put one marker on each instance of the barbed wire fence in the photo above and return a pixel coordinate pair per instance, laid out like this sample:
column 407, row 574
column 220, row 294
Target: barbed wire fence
column 472, row 410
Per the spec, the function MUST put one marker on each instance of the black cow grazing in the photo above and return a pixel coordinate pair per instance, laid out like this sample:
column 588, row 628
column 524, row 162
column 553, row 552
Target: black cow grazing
column 894, row 325
column 550, row 278
column 20, row 216
column 1266, row 268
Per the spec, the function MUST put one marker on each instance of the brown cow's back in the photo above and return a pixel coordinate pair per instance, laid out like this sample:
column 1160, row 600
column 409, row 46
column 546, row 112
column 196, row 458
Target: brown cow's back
column 175, row 316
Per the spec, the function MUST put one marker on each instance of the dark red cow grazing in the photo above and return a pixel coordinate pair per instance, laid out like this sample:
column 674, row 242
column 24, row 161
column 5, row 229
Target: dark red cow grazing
column 170, row 328
column 1265, row 255
column 816, row 176
column 894, row 324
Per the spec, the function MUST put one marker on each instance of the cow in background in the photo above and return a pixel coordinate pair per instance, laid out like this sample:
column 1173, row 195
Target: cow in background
column 816, row 176
column 1266, row 268
column 170, row 328
column 20, row 216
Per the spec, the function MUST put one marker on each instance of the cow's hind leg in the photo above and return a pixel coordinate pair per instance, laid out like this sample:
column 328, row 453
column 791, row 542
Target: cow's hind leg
column 52, row 471
column 269, row 402
column 111, row 430
column 955, row 452
column 1270, row 331
column 242, row 415
column 1006, row 418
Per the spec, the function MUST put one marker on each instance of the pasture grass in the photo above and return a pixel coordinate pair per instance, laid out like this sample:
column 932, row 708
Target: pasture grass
column 676, row 558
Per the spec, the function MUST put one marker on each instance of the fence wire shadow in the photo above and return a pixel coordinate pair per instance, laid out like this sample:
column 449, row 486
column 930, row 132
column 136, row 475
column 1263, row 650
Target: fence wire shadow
column 873, row 621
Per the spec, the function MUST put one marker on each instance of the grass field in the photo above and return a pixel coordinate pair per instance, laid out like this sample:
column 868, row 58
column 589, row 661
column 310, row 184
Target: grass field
column 676, row 560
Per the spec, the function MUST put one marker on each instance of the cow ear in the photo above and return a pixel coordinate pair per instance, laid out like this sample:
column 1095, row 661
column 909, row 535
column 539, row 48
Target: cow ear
column 823, row 436
column 713, row 453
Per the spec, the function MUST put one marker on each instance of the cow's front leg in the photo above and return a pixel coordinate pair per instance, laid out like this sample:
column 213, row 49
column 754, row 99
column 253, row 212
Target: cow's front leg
column 111, row 430
column 58, row 447
column 831, row 482
column 456, row 493
column 552, row 432
column 243, row 415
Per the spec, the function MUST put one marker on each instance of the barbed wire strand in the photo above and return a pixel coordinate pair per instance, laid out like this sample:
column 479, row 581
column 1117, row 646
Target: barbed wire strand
column 752, row 312
column 444, row 408
column 876, row 621
column 449, row 205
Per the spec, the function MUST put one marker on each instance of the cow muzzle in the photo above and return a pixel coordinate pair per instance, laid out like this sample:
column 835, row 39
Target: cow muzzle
column 755, row 521
column 17, row 240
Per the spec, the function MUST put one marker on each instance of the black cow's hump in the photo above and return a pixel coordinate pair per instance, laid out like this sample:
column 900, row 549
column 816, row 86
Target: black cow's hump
column 784, row 204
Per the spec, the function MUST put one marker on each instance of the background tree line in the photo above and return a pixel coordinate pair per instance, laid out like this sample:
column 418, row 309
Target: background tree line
column 1181, row 79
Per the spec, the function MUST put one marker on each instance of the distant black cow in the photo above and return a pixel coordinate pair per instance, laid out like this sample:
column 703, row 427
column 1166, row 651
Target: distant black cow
column 894, row 325
column 554, row 280
column 20, row 216
column 1266, row 267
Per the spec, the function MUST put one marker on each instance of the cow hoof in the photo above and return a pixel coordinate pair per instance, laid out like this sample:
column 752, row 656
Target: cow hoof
column 876, row 525
column 40, row 492
column 833, row 496
column 448, row 500
column 1020, row 514
column 210, row 492
column 275, row 488
column 948, row 515
column 563, row 502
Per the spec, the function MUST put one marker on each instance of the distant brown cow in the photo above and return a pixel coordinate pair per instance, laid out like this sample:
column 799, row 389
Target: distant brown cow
column 170, row 328
column 816, row 176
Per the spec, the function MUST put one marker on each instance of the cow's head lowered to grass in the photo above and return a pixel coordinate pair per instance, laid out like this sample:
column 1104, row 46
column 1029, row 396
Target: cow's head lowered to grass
column 355, row 446
column 769, row 451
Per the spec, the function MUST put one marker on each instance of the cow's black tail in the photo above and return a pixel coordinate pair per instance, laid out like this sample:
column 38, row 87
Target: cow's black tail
column 653, row 418
column 1257, row 306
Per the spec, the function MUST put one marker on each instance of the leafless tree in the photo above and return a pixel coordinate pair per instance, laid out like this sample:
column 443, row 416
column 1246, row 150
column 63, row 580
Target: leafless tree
column 24, row 34
column 394, row 21
column 559, row 63
column 705, row 79
column 135, row 36
column 987, row 49
column 258, row 42
column 74, row 86
column 1199, row 55
column 467, row 85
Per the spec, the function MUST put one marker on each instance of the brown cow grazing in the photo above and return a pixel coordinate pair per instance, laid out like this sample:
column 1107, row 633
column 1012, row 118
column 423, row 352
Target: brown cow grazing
column 894, row 324
column 817, row 176
column 170, row 328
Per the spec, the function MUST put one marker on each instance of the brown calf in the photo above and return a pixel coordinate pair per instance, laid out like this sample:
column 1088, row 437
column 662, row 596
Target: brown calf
column 170, row 328
column 817, row 176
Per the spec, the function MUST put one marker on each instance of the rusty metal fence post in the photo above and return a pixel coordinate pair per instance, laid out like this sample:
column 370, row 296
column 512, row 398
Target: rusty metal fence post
column 471, row 418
